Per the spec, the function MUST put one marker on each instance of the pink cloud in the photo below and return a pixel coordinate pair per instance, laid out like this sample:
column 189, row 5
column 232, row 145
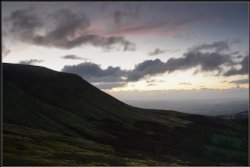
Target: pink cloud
column 158, row 28
column 138, row 29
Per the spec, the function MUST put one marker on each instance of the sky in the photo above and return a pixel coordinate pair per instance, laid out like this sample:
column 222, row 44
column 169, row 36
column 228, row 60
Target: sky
column 135, row 49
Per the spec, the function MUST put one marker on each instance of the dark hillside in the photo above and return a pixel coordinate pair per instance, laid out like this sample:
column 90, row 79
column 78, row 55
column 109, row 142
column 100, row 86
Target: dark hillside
column 55, row 118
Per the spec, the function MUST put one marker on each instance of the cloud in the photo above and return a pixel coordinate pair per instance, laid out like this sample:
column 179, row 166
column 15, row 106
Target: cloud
column 73, row 57
column 148, row 67
column 241, row 81
column 108, row 78
column 215, row 47
column 24, row 23
column 31, row 61
column 157, row 51
column 184, row 83
column 139, row 28
column 163, row 27
column 195, row 57
column 244, row 69
column 93, row 72
column 62, row 29
column 214, row 60
column 151, row 81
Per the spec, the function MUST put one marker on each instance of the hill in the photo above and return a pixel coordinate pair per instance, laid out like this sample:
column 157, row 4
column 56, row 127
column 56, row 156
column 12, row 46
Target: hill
column 55, row 118
column 239, row 115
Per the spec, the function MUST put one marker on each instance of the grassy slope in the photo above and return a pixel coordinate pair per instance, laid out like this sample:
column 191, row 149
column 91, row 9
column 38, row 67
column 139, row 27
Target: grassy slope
column 53, row 118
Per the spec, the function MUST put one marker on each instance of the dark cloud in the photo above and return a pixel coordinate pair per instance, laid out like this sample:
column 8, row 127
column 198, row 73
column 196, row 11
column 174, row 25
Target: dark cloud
column 213, row 61
column 69, row 30
column 24, row 23
column 73, row 57
column 31, row 61
column 148, row 67
column 93, row 72
column 205, row 61
column 215, row 47
column 157, row 51
column 108, row 78
column 207, row 57
column 244, row 69
column 241, row 81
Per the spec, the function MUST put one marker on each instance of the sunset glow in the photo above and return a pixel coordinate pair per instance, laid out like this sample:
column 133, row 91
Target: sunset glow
column 186, row 45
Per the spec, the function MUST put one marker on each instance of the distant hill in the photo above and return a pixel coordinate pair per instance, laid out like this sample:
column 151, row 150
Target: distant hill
column 240, row 115
column 55, row 118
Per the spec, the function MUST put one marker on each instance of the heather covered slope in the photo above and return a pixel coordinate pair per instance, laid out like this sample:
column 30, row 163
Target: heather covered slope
column 54, row 118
